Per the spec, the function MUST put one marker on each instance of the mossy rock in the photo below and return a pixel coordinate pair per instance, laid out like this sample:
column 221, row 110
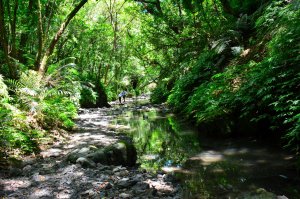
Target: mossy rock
column 77, row 153
column 120, row 153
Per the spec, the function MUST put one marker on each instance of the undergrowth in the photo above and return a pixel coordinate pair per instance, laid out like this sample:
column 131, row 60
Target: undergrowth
column 262, row 92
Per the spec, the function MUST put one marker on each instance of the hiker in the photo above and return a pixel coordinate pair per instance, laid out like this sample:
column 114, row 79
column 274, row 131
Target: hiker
column 122, row 94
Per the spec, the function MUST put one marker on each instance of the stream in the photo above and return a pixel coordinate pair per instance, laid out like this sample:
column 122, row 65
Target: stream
column 174, row 161
column 207, row 167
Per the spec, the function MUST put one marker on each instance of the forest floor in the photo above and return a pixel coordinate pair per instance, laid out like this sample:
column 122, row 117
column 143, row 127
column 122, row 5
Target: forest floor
column 50, row 175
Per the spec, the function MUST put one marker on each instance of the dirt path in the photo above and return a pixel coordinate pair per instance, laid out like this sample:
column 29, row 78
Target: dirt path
column 50, row 175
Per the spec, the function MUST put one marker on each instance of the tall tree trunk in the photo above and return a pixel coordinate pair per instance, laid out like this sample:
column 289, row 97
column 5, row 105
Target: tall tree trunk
column 43, row 65
column 40, row 35
column 4, row 42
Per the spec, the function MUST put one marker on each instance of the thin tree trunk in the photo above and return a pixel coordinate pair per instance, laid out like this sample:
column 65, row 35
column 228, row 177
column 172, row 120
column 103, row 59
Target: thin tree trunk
column 13, row 30
column 106, row 74
column 43, row 65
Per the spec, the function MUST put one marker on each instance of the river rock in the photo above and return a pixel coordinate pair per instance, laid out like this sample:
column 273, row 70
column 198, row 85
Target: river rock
column 27, row 169
column 140, row 187
column 74, row 155
column 121, row 153
column 86, row 163
column 126, row 182
column 125, row 195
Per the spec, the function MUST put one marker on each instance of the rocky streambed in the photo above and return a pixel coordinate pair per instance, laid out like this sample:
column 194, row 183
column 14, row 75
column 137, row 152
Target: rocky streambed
column 133, row 150
column 95, row 161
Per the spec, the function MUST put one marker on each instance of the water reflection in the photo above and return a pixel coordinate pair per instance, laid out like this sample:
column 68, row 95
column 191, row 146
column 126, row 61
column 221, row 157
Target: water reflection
column 160, row 140
column 208, row 168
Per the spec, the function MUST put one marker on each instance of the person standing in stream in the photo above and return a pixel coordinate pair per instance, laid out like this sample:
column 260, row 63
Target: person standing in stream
column 122, row 94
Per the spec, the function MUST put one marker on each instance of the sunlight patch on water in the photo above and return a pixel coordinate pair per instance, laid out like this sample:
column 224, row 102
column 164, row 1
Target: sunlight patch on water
column 261, row 161
column 177, row 170
column 234, row 151
column 119, row 127
column 208, row 157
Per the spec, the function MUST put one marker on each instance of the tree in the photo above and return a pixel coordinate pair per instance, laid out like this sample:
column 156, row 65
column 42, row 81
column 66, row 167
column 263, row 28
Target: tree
column 43, row 65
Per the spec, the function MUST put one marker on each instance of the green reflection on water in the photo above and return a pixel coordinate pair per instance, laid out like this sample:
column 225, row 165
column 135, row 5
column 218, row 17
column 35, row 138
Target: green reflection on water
column 220, row 170
column 160, row 139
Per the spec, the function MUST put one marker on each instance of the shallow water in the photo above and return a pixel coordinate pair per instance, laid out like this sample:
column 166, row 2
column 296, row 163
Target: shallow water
column 207, row 167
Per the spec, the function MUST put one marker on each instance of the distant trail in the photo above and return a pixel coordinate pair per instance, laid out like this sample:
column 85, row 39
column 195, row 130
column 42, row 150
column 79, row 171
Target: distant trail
column 51, row 176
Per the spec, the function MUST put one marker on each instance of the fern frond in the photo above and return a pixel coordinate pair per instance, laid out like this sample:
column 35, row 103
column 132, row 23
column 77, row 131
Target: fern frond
column 14, row 84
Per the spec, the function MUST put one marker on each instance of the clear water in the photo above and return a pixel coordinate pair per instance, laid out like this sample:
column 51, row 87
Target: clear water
column 207, row 167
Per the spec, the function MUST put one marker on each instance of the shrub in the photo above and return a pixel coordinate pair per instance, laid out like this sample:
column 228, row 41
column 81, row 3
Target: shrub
column 159, row 94
column 88, row 97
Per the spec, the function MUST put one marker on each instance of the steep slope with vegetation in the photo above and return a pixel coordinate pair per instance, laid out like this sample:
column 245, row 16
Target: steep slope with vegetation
column 245, row 79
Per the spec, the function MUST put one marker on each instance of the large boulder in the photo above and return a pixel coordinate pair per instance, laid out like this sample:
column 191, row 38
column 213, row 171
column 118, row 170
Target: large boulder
column 121, row 153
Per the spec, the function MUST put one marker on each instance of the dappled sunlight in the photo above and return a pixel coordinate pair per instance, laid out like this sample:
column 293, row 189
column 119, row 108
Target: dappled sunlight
column 42, row 193
column 161, row 187
column 14, row 185
column 100, row 123
column 51, row 152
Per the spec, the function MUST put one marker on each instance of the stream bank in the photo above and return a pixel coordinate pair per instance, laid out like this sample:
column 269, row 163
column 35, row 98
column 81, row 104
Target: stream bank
column 51, row 175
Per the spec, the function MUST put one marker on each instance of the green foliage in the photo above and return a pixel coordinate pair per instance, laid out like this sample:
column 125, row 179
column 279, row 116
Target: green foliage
column 265, row 92
column 15, row 130
column 159, row 94
column 65, row 77
column 88, row 97
column 185, row 86
column 59, row 111
column 34, row 106
column 3, row 90
column 276, row 78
